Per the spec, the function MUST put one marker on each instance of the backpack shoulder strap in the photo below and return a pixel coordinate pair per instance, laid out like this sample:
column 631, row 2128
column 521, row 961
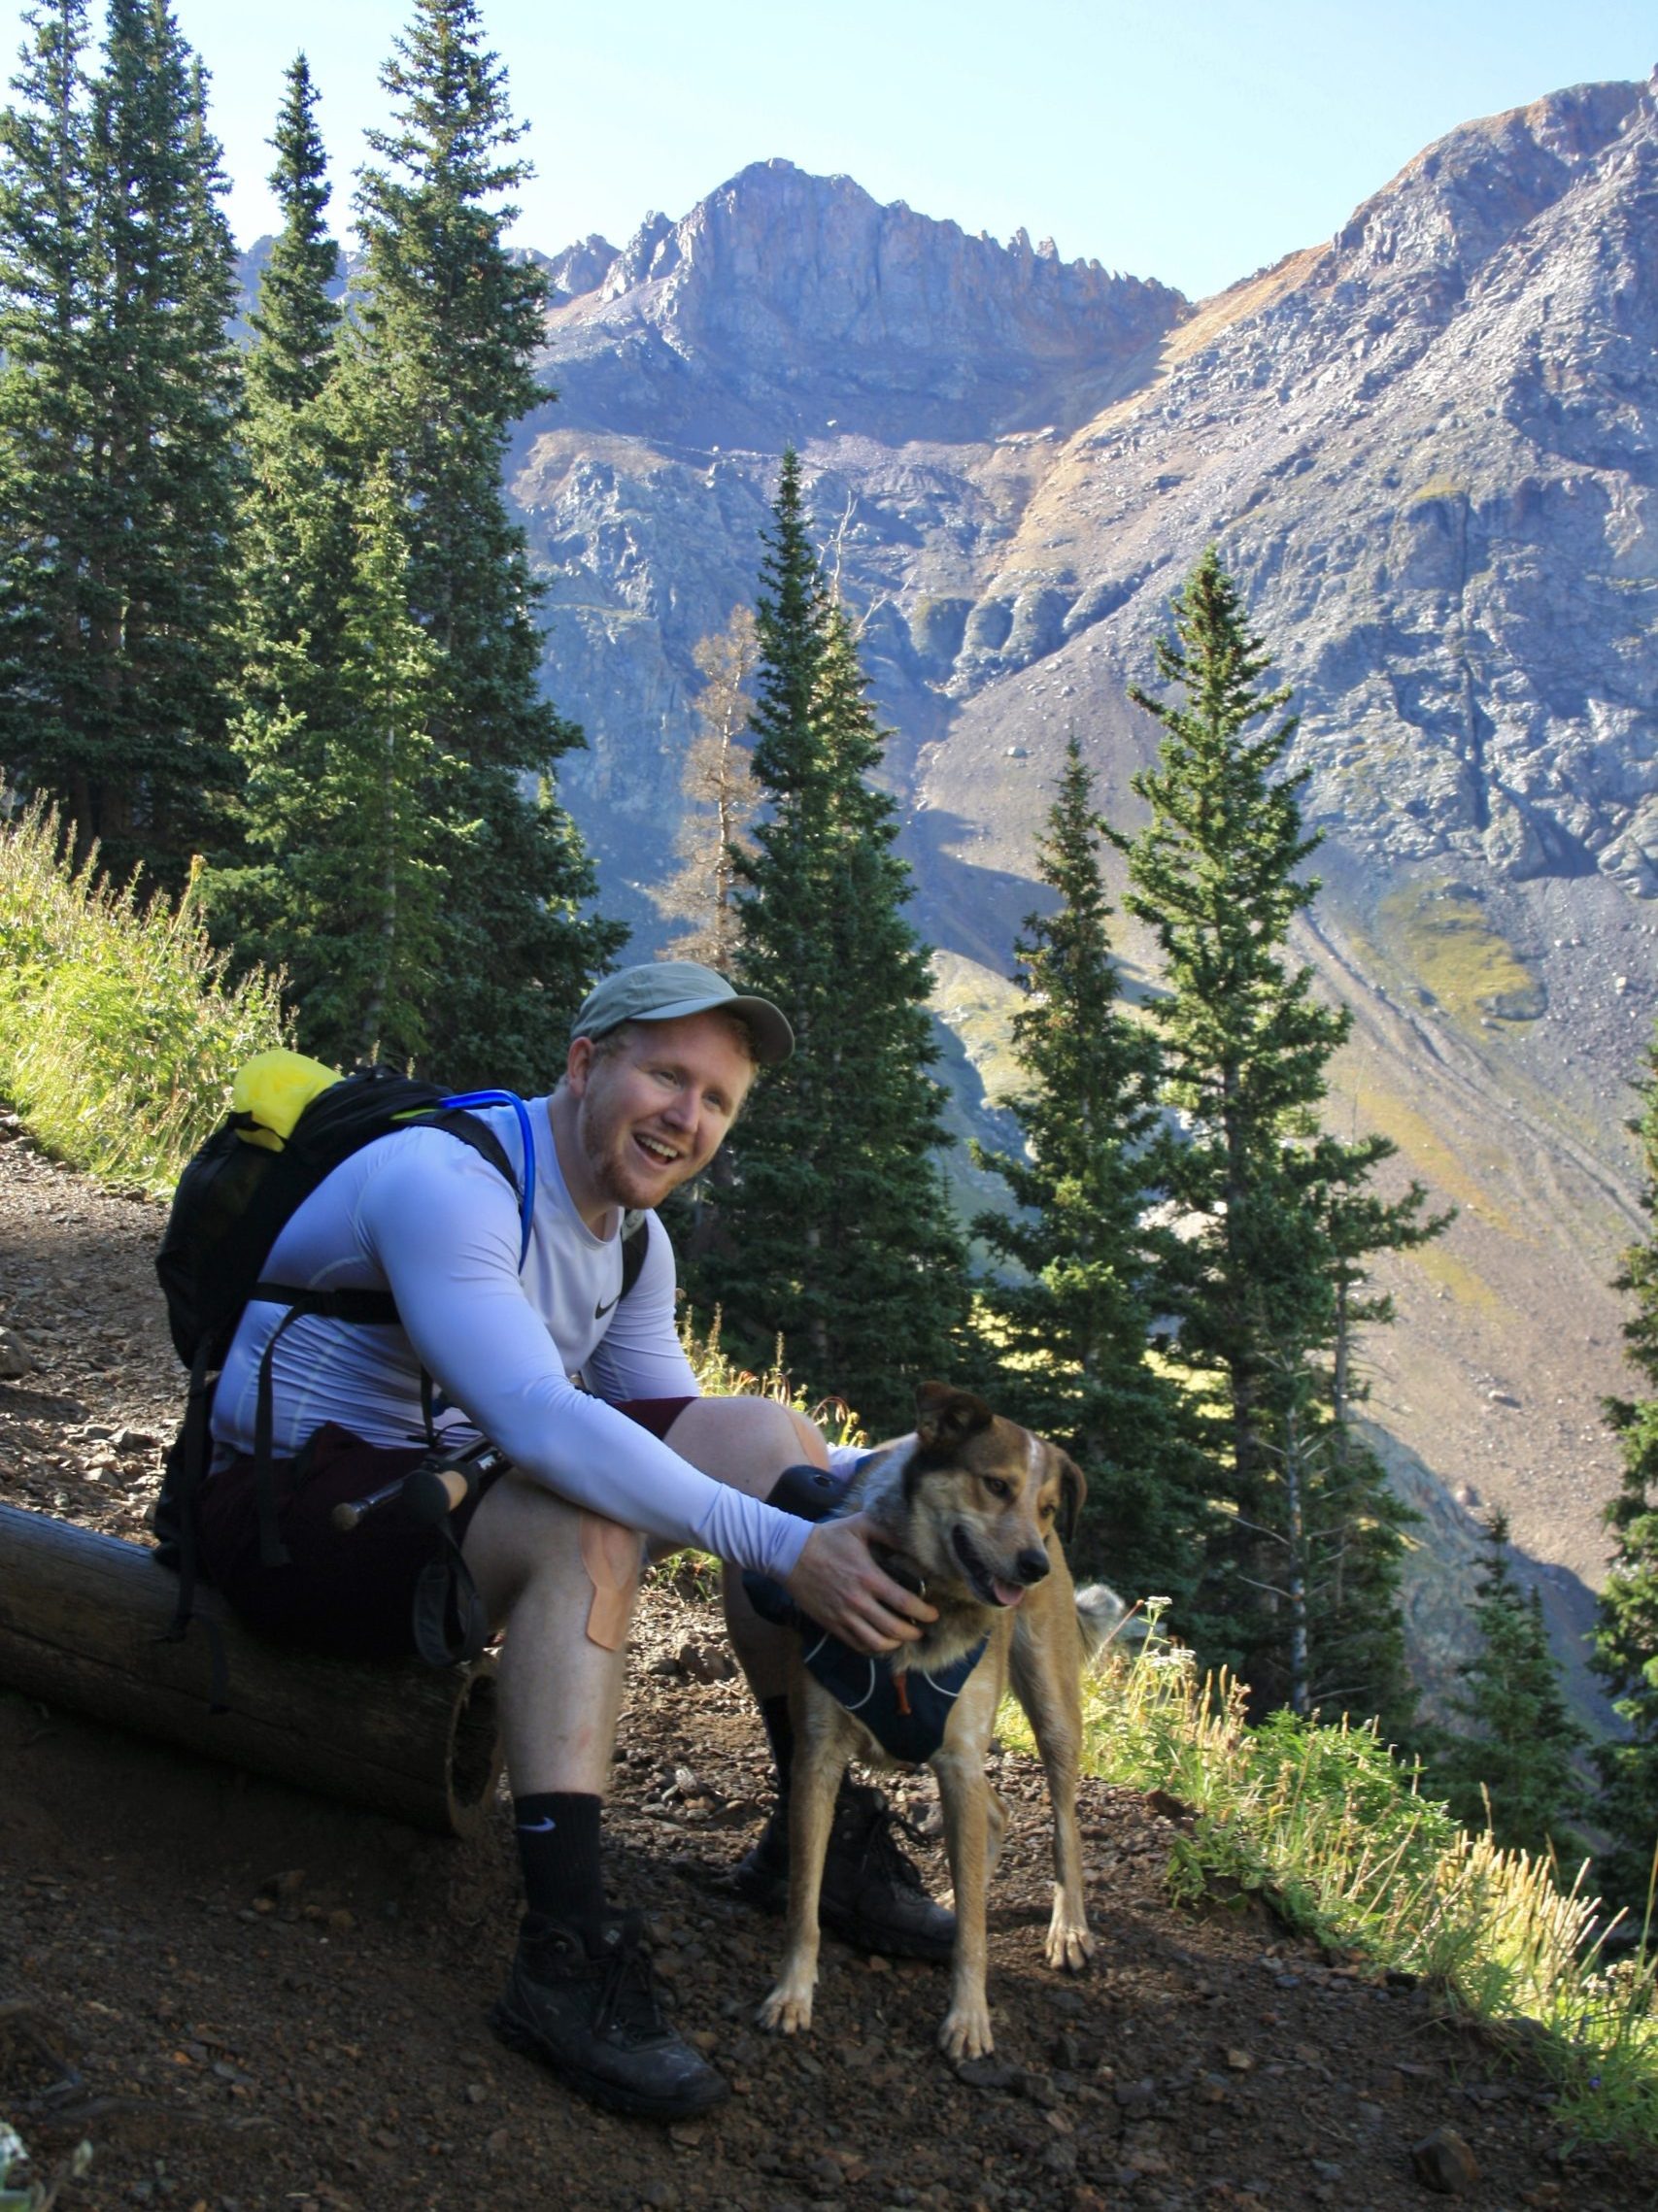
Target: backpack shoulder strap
column 635, row 1243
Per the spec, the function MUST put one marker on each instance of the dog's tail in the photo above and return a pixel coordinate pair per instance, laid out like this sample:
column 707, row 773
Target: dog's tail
column 1105, row 1618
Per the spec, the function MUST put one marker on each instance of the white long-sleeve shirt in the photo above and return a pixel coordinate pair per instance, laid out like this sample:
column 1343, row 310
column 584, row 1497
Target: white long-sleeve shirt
column 427, row 1218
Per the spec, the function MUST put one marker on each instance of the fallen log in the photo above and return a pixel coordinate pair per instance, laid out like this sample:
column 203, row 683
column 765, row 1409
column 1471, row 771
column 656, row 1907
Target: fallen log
column 81, row 1622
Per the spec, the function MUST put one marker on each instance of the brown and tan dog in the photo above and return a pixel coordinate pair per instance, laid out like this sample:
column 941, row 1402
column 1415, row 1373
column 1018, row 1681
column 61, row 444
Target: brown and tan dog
column 977, row 1507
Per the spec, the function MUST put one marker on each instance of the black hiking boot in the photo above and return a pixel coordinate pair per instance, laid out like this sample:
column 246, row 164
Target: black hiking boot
column 872, row 1897
column 589, row 2011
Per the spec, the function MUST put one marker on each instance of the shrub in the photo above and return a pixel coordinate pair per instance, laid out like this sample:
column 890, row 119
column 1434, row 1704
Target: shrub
column 119, row 1036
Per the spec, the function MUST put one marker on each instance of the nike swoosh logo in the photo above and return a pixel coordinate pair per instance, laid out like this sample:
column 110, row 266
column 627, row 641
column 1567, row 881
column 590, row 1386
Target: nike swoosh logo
column 599, row 1312
column 536, row 1828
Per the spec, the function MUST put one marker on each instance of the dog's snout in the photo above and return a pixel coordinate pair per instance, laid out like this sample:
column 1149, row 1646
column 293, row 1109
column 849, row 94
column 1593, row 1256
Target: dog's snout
column 1032, row 1563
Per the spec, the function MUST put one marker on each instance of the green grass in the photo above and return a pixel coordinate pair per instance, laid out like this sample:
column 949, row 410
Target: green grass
column 978, row 1006
column 1324, row 1824
column 1447, row 943
column 119, row 1035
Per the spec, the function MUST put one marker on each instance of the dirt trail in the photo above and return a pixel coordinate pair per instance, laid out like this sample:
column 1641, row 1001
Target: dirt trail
column 248, row 1999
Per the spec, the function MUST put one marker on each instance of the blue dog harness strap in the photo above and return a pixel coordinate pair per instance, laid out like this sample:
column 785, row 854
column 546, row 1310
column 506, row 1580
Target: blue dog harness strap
column 907, row 1713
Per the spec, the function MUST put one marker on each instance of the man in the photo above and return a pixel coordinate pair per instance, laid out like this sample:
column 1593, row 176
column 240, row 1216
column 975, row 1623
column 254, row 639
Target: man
column 660, row 1059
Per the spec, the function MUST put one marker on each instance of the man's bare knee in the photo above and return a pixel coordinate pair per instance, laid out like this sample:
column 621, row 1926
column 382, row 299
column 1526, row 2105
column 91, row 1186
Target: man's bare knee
column 746, row 1441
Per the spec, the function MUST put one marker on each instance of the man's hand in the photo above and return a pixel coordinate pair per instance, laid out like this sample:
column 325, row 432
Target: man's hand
column 836, row 1581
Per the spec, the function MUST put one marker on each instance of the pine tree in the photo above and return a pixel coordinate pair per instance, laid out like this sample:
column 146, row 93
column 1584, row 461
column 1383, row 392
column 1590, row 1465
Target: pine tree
column 1515, row 1767
column 1626, row 1627
column 117, row 502
column 298, row 552
column 345, row 873
column 1279, row 1215
column 46, row 309
column 434, row 379
column 835, row 1231
column 1069, row 1320
column 297, row 320
column 721, row 799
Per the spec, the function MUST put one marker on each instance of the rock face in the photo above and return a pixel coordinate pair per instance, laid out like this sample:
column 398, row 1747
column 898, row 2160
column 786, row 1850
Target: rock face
column 786, row 304
column 892, row 350
column 1426, row 450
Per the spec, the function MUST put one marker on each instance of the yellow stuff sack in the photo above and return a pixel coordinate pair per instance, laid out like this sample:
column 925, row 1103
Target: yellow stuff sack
column 273, row 1090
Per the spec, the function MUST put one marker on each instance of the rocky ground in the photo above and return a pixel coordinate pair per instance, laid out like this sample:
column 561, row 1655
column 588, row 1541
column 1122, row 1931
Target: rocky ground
column 244, row 1998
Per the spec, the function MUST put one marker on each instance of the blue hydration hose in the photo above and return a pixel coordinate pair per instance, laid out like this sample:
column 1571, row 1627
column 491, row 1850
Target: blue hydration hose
column 527, row 1196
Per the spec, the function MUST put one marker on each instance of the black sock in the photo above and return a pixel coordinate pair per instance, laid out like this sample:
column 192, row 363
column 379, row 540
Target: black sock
column 557, row 1849
column 779, row 1735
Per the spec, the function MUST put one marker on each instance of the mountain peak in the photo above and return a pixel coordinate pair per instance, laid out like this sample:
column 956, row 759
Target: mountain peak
column 1459, row 200
column 779, row 282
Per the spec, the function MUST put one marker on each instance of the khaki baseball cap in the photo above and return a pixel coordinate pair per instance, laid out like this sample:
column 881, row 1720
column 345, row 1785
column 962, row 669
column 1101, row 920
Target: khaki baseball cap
column 664, row 991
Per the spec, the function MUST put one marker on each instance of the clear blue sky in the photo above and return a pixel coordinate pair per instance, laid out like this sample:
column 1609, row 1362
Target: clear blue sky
column 1188, row 140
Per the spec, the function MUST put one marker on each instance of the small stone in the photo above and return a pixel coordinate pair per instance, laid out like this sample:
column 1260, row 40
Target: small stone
column 1443, row 2161
column 985, row 2073
column 1038, row 2087
column 687, row 2135
column 496, row 2141
column 15, row 1361
column 1239, row 2062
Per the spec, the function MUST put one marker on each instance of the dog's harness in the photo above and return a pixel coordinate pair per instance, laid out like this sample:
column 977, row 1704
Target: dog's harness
column 906, row 1712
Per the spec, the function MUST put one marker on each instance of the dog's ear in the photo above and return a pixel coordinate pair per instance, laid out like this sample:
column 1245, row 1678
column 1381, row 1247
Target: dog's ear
column 1073, row 1489
column 945, row 1417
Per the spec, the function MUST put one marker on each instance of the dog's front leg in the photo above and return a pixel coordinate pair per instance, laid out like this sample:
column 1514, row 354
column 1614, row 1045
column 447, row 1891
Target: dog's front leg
column 965, row 1792
column 1046, row 1675
column 818, row 1767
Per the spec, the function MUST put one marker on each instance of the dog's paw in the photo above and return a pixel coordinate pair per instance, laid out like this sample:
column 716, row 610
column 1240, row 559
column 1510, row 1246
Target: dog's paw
column 1069, row 1947
column 965, row 2032
column 787, row 2011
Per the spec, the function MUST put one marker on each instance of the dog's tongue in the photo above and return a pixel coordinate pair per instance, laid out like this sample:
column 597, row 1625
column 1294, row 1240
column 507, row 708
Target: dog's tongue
column 1006, row 1592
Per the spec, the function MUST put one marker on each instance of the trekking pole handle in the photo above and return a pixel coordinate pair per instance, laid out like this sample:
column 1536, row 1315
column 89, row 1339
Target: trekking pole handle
column 432, row 1492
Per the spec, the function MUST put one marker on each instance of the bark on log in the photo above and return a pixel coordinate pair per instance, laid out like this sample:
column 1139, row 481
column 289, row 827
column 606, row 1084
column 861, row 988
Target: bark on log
column 80, row 1620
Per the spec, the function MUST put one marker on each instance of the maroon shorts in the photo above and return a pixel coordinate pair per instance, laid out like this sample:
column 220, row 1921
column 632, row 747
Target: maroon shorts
column 351, row 1593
